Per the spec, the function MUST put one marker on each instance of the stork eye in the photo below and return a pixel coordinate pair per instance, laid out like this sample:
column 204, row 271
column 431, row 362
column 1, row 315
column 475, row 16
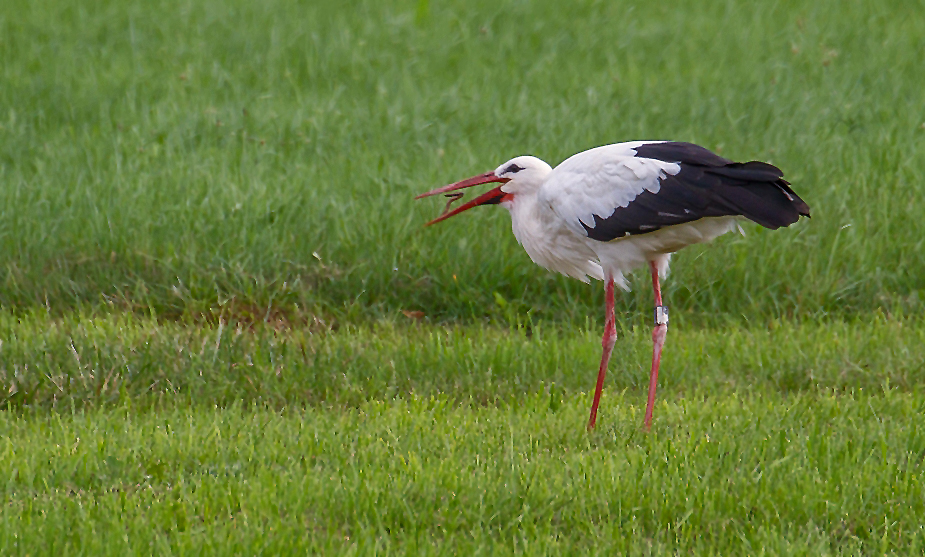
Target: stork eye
column 513, row 169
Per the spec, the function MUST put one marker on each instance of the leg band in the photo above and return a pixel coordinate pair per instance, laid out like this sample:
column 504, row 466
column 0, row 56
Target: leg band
column 661, row 315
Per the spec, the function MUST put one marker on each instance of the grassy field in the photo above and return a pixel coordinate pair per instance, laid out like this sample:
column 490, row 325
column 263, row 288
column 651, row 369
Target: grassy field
column 209, row 254
column 757, row 474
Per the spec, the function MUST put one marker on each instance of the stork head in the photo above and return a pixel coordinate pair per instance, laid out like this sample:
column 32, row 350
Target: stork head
column 521, row 175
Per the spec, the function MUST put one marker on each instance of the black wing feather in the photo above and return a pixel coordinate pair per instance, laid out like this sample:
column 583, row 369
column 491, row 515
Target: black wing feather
column 707, row 186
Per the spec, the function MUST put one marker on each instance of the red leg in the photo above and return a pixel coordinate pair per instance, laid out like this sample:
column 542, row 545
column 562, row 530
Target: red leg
column 610, row 337
column 658, row 341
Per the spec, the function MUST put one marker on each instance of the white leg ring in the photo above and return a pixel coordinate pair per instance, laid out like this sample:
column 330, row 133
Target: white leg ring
column 661, row 315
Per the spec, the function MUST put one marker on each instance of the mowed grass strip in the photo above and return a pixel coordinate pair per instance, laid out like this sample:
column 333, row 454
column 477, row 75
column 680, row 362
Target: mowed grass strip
column 809, row 473
column 90, row 361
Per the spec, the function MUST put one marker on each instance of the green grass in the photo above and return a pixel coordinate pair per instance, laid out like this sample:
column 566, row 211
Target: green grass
column 760, row 474
column 84, row 362
column 126, row 434
column 186, row 158
column 208, row 239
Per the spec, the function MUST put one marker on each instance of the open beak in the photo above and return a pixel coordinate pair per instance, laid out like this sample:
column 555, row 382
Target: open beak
column 490, row 197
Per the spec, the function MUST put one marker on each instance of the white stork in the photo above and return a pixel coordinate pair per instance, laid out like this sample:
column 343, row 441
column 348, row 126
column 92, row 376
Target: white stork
column 609, row 210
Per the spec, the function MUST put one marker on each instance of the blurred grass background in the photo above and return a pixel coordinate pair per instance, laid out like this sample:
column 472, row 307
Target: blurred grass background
column 207, row 159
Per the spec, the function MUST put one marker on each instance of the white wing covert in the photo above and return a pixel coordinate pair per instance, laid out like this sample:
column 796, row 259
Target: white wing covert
column 599, row 181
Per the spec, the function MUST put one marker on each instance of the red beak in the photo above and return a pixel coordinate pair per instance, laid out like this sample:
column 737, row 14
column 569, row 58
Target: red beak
column 491, row 197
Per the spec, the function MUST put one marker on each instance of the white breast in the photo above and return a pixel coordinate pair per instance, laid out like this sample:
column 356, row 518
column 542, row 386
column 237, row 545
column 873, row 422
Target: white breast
column 550, row 244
